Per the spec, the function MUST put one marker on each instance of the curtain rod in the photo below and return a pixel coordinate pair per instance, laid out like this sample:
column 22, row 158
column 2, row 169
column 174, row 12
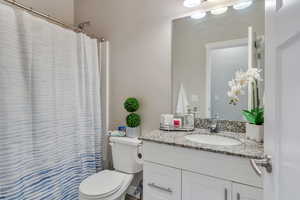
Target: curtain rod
column 51, row 19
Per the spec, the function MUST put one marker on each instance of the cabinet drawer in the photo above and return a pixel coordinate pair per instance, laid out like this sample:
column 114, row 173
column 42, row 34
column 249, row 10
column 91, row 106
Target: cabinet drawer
column 161, row 183
column 200, row 187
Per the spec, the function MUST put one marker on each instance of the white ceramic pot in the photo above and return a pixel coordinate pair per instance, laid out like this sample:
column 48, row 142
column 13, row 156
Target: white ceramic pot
column 133, row 132
column 255, row 132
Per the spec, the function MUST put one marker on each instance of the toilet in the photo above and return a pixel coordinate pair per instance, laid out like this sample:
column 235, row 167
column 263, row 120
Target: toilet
column 113, row 184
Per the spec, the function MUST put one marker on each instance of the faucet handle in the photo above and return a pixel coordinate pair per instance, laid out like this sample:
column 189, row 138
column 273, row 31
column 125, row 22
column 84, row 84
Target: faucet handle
column 213, row 127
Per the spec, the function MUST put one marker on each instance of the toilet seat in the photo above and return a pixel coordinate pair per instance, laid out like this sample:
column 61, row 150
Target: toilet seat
column 104, row 185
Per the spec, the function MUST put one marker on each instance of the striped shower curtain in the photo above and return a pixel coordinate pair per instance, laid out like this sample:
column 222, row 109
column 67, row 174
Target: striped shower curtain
column 50, row 114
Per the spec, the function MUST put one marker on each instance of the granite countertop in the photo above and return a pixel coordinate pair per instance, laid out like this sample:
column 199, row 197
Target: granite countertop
column 248, row 148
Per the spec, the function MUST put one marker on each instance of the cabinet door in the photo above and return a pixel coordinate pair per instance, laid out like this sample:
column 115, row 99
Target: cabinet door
column 244, row 192
column 199, row 187
column 161, row 183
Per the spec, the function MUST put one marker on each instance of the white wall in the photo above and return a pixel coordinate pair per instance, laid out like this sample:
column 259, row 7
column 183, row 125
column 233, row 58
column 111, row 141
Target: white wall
column 140, row 36
column 62, row 9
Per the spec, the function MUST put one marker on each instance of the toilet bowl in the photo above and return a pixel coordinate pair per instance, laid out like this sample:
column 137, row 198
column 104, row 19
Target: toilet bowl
column 113, row 184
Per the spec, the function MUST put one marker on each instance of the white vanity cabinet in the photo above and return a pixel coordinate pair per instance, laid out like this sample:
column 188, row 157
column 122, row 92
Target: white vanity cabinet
column 176, row 173
column 198, row 187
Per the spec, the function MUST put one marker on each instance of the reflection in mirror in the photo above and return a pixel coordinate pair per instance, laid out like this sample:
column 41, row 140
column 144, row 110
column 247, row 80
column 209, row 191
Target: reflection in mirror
column 207, row 52
column 223, row 60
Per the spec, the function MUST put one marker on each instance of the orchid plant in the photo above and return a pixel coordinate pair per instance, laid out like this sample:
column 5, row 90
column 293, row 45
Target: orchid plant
column 237, row 88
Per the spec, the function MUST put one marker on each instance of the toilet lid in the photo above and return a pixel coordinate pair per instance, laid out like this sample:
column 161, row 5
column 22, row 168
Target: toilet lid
column 102, row 184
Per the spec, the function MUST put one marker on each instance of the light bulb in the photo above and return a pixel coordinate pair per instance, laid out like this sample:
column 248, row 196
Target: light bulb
column 219, row 11
column 191, row 3
column 242, row 5
column 198, row 15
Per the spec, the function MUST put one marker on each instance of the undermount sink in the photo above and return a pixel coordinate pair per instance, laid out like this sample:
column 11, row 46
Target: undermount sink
column 213, row 140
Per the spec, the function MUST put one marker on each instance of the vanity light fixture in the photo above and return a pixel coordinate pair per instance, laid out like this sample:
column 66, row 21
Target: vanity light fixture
column 198, row 15
column 191, row 3
column 219, row 11
column 242, row 5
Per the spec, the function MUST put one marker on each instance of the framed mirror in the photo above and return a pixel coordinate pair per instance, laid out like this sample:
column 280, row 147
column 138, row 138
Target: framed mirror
column 206, row 54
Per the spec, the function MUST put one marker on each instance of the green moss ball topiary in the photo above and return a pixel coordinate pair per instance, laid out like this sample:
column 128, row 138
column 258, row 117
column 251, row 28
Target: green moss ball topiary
column 133, row 120
column 131, row 104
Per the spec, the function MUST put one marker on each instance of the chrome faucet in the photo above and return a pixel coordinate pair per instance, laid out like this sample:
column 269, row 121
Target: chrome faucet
column 213, row 126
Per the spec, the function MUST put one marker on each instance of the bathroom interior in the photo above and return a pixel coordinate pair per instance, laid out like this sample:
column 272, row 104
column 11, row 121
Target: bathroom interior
column 149, row 99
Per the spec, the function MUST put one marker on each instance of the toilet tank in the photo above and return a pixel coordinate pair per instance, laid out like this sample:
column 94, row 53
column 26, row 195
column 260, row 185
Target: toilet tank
column 125, row 154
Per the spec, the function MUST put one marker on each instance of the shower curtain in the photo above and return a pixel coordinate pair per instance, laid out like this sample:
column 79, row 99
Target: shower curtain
column 50, row 114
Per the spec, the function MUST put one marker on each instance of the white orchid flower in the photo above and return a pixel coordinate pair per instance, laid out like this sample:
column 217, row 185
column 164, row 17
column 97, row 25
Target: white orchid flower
column 254, row 74
column 241, row 80
column 231, row 83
